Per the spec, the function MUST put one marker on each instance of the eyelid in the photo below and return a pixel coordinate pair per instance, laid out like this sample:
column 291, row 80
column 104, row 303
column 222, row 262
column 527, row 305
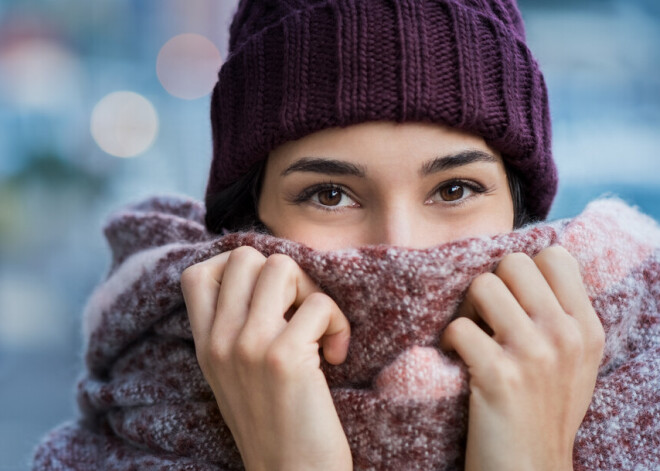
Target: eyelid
column 305, row 196
column 473, row 186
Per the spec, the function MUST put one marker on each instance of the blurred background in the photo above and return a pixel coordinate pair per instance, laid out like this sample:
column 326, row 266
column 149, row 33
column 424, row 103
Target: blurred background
column 104, row 102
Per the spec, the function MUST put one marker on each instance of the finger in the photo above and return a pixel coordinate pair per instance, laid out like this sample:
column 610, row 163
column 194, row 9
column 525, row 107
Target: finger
column 200, row 284
column 528, row 285
column 488, row 298
column 240, row 276
column 319, row 320
column 562, row 273
column 281, row 284
column 471, row 343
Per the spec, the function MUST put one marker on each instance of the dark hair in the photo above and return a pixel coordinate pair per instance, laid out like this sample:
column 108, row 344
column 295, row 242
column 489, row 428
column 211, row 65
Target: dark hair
column 235, row 207
column 521, row 216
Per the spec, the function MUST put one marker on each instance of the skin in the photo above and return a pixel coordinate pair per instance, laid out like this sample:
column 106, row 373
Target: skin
column 532, row 366
column 392, row 204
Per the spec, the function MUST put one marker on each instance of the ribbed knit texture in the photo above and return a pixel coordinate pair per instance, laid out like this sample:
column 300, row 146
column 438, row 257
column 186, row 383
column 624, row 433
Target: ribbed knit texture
column 296, row 67
column 402, row 402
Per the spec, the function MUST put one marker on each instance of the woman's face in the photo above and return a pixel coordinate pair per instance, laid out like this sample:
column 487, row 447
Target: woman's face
column 407, row 184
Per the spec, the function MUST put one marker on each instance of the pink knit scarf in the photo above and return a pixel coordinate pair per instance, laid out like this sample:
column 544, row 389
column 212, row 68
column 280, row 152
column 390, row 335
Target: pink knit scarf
column 144, row 404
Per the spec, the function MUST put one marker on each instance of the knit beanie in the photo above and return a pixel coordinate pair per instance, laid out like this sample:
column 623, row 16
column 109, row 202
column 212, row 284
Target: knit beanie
column 298, row 66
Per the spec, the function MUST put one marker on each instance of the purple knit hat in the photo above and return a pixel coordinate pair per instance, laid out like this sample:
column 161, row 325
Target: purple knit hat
column 299, row 66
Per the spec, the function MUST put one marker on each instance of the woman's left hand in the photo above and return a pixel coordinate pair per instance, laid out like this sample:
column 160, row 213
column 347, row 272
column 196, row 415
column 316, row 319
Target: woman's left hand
column 532, row 380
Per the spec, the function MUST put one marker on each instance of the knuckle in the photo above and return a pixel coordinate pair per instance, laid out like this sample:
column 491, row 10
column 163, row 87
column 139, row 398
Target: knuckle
column 593, row 335
column 572, row 341
column 558, row 251
column 556, row 255
column 217, row 351
column 598, row 339
column 244, row 252
column 457, row 325
column 484, row 283
column 320, row 300
column 193, row 274
column 511, row 262
column 504, row 376
column 542, row 356
column 281, row 262
column 453, row 328
column 244, row 350
column 277, row 359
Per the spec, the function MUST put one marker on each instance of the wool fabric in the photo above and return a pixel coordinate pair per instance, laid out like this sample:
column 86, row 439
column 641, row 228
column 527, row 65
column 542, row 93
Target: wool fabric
column 298, row 66
column 403, row 403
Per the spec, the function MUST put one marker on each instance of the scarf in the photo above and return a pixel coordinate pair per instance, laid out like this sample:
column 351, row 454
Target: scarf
column 403, row 403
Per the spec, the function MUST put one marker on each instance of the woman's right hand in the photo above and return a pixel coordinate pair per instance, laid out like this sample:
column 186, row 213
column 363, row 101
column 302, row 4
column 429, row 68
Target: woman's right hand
column 264, row 370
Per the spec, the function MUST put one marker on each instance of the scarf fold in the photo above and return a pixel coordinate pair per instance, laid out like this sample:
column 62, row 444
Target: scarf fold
column 145, row 405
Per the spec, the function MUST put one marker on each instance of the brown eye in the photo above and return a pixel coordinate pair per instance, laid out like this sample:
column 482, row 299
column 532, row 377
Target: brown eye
column 330, row 197
column 327, row 197
column 452, row 192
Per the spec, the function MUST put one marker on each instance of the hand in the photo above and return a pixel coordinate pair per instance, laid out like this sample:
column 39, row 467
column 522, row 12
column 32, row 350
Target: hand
column 264, row 370
column 531, row 382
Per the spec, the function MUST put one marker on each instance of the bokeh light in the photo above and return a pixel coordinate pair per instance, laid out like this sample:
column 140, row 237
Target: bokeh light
column 187, row 66
column 38, row 73
column 124, row 124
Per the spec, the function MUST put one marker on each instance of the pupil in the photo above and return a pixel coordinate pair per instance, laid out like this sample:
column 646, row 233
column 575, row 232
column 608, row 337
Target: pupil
column 453, row 192
column 332, row 200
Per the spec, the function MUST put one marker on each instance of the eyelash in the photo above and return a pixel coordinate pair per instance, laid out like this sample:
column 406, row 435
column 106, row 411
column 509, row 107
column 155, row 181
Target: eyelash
column 306, row 195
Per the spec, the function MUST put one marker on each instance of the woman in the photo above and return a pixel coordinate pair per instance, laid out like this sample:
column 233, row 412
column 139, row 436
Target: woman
column 342, row 124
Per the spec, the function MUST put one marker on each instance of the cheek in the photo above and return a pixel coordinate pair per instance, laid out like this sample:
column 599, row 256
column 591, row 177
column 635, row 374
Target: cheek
column 492, row 219
column 321, row 237
column 287, row 224
column 494, row 215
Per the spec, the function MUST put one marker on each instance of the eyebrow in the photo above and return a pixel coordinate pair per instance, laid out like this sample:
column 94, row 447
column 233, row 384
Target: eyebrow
column 340, row 167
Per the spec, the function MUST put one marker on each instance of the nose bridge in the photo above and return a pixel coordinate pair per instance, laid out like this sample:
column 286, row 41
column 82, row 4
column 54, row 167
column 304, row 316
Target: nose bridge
column 396, row 225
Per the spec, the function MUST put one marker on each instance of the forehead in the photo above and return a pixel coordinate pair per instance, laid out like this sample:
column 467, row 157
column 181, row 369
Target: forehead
column 380, row 144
